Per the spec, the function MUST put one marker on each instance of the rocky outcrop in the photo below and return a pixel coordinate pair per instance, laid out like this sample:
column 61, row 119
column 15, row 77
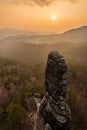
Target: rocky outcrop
column 54, row 107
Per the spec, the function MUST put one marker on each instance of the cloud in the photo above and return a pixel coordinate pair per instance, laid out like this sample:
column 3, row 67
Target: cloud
column 37, row 2
column 41, row 2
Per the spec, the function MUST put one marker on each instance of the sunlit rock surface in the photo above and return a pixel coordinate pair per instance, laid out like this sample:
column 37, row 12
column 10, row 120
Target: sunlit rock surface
column 54, row 107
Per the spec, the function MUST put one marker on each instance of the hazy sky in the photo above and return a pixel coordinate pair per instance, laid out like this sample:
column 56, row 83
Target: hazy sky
column 36, row 14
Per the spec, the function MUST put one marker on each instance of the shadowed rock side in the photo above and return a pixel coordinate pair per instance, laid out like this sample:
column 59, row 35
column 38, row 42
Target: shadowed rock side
column 54, row 107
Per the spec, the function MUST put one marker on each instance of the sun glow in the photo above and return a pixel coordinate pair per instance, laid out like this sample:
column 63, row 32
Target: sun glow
column 54, row 17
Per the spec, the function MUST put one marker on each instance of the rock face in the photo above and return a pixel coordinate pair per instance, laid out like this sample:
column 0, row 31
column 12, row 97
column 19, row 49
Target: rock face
column 54, row 107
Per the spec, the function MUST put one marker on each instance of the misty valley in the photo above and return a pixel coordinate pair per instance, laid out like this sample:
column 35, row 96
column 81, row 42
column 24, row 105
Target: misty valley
column 23, row 60
column 30, row 47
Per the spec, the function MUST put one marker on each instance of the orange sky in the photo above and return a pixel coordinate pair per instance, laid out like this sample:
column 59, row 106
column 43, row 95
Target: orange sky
column 38, row 18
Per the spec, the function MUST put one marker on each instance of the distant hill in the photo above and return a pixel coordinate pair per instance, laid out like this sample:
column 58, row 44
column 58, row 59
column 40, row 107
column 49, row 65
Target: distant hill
column 74, row 35
column 31, row 47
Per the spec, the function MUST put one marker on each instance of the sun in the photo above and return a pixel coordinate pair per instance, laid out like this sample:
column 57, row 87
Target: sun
column 54, row 17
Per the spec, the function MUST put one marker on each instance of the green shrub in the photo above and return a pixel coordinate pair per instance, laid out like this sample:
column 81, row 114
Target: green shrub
column 81, row 121
column 73, row 103
column 3, row 115
column 38, row 89
column 31, row 91
column 17, row 117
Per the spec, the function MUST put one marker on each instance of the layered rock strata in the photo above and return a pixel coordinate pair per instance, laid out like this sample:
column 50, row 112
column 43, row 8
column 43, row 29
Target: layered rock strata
column 54, row 107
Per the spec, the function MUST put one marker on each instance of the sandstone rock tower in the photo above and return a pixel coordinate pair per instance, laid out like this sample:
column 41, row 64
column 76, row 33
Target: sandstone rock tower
column 54, row 107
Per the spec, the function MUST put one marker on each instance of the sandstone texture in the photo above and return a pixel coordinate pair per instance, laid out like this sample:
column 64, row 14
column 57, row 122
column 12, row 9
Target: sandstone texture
column 54, row 106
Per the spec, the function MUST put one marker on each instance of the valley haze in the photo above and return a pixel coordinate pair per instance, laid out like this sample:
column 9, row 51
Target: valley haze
column 33, row 47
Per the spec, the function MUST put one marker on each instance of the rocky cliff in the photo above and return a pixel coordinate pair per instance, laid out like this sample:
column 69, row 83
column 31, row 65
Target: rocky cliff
column 54, row 108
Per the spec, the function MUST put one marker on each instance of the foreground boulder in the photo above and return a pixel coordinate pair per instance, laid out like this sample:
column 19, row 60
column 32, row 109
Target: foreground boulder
column 54, row 107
